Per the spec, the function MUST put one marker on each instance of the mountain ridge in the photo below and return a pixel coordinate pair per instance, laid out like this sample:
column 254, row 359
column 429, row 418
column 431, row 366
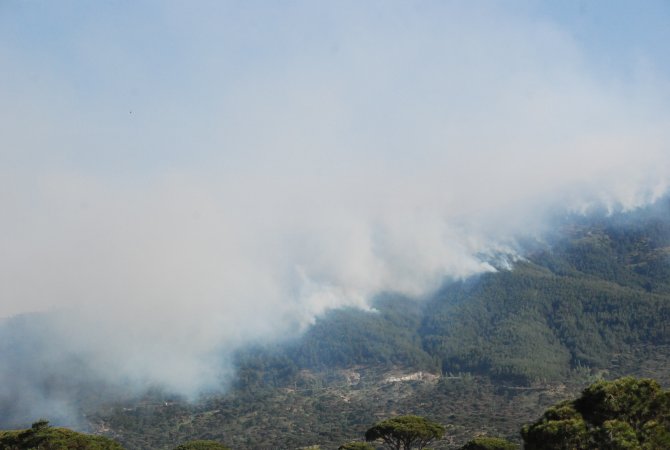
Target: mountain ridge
column 590, row 301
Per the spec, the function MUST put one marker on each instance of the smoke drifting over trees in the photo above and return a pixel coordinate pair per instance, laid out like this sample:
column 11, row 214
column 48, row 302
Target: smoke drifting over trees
column 281, row 160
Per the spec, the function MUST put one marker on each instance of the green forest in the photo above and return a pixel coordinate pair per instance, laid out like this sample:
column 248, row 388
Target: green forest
column 482, row 357
column 627, row 413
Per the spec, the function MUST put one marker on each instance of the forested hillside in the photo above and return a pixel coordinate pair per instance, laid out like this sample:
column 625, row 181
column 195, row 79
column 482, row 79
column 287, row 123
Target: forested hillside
column 485, row 354
column 599, row 290
column 627, row 413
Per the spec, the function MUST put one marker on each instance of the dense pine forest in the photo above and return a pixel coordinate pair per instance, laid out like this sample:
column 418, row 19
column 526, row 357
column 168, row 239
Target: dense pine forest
column 482, row 356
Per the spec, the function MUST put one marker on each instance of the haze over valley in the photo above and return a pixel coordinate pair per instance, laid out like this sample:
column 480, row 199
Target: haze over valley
column 197, row 196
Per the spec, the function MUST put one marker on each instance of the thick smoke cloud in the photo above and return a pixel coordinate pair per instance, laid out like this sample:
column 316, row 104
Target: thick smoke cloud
column 181, row 183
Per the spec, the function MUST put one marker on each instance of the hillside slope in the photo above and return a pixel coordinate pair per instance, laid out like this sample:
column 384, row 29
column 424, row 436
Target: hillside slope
column 482, row 355
column 42, row 436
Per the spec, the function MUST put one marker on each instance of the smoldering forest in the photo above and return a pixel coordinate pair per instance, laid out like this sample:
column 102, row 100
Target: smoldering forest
column 177, row 187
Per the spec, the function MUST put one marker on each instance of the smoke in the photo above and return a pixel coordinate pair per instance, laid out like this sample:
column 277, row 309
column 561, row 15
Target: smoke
column 176, row 184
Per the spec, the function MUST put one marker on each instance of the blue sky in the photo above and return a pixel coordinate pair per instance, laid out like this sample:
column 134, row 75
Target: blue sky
column 266, row 161
column 105, row 58
column 616, row 34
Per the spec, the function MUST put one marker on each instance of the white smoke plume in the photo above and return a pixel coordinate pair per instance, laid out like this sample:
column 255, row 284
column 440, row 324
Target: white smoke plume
column 176, row 183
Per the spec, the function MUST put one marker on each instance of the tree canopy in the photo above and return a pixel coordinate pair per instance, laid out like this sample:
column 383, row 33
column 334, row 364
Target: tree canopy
column 489, row 443
column 42, row 436
column 356, row 445
column 405, row 432
column 627, row 413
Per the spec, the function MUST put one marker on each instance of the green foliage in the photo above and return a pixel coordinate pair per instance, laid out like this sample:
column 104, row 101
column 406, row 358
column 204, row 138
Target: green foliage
column 632, row 400
column 405, row 432
column 389, row 336
column 593, row 301
column 356, row 445
column 498, row 325
column 43, row 437
column 489, row 443
column 202, row 445
column 627, row 413
column 556, row 434
column 597, row 292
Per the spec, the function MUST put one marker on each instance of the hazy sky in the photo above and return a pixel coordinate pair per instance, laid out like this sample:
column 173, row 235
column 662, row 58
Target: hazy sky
column 198, row 174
